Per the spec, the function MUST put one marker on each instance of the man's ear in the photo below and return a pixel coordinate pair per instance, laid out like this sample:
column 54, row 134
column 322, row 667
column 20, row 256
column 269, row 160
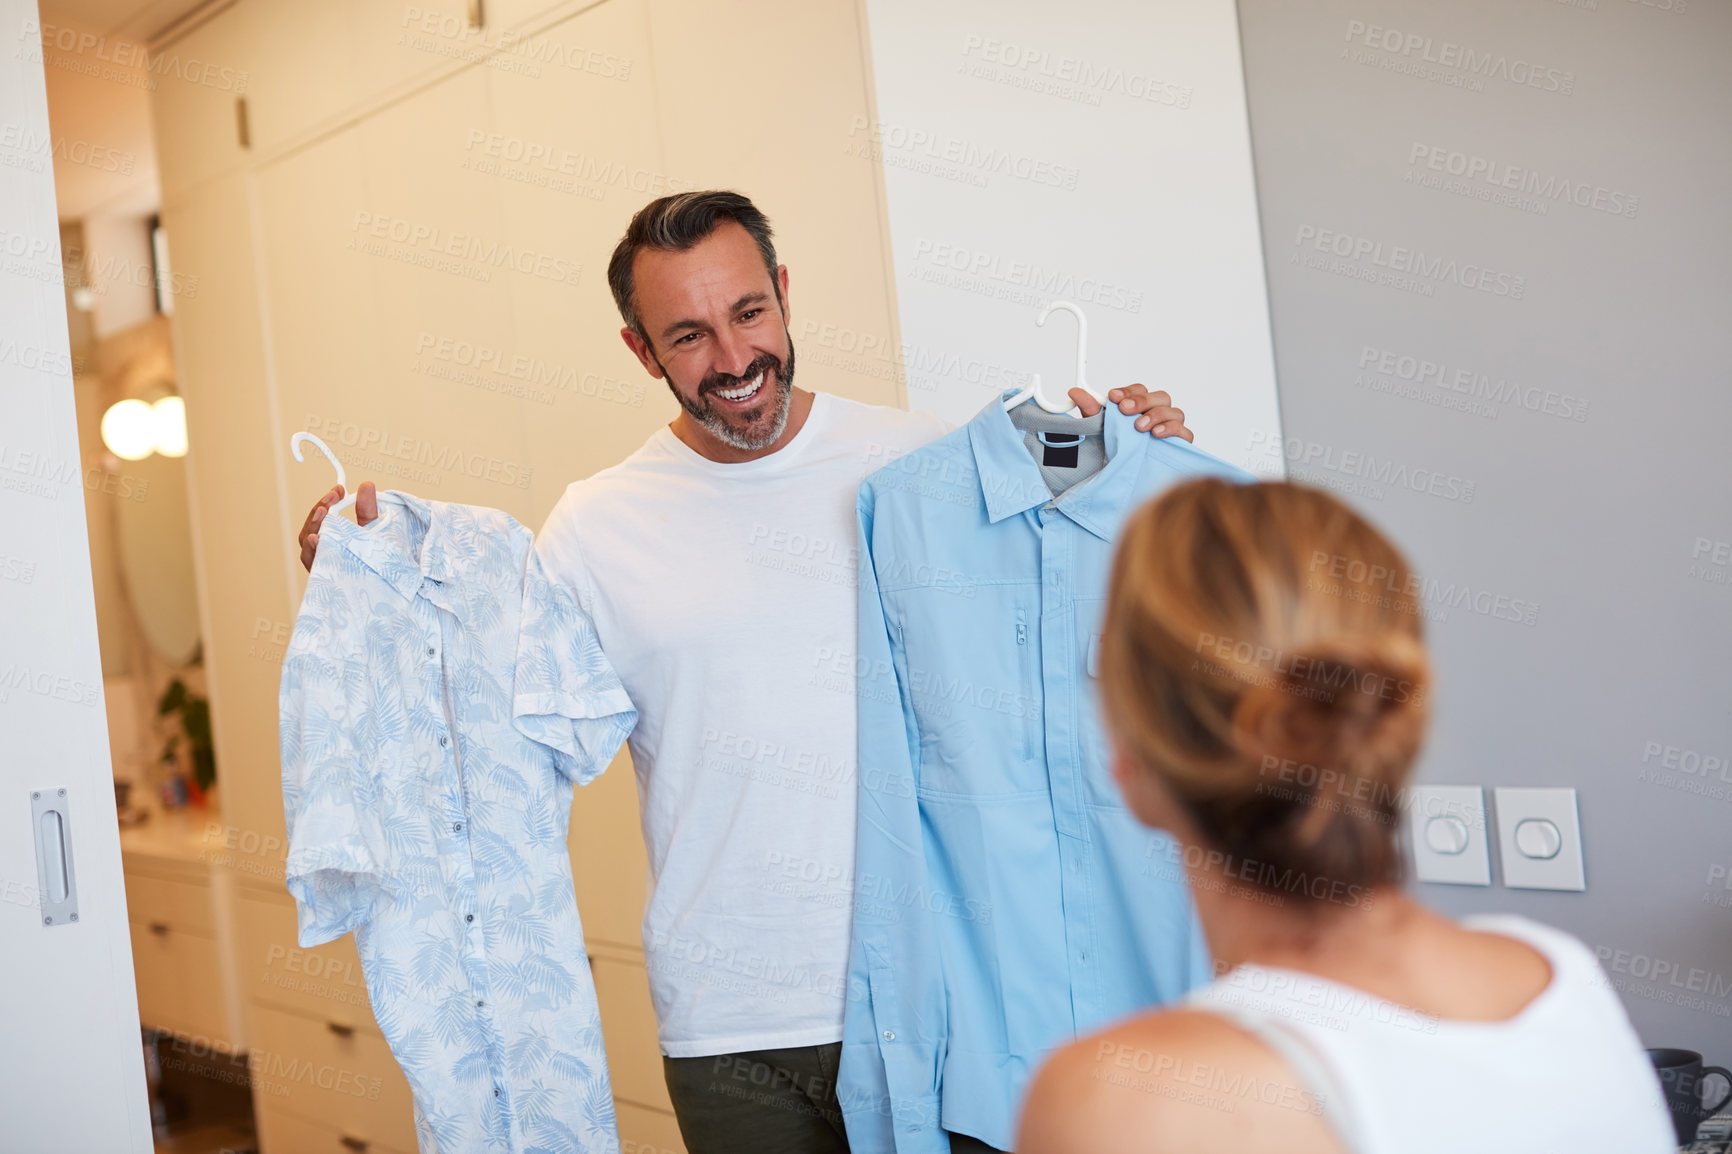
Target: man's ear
column 641, row 350
column 782, row 289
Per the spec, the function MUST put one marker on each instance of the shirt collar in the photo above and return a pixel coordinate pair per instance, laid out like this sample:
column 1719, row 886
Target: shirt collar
column 1011, row 481
column 406, row 545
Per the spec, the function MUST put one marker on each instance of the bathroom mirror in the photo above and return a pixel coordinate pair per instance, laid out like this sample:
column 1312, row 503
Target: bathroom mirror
column 155, row 539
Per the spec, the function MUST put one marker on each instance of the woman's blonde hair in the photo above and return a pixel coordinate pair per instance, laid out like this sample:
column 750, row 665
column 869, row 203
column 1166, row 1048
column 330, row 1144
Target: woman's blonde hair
column 1263, row 656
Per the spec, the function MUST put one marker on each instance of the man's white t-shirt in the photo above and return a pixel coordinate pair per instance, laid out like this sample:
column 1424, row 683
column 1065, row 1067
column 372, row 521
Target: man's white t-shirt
column 725, row 596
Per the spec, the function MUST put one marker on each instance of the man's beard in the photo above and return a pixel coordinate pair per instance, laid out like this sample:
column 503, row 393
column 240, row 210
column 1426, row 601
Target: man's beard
column 764, row 426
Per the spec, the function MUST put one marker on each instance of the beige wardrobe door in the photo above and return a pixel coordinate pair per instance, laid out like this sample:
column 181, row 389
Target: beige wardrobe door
column 323, row 58
column 793, row 157
column 390, row 282
column 571, row 156
column 198, row 80
column 239, row 529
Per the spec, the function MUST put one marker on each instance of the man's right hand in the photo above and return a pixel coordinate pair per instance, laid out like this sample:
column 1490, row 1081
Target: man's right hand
column 366, row 511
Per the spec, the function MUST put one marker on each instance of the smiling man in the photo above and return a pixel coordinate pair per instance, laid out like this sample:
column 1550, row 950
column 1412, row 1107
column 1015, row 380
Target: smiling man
column 718, row 562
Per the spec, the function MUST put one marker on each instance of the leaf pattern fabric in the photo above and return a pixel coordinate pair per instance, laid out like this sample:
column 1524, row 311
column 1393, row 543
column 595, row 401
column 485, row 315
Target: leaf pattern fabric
column 440, row 698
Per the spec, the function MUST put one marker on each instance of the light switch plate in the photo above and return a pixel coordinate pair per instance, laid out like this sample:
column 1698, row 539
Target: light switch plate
column 1539, row 837
column 1447, row 834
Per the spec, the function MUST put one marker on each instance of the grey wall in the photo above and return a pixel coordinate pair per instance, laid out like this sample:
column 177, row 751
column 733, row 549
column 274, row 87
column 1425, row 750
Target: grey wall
column 1588, row 481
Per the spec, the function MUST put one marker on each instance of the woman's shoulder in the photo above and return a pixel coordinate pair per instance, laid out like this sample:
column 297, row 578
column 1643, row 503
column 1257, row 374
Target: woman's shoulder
column 1554, row 944
column 1178, row 1080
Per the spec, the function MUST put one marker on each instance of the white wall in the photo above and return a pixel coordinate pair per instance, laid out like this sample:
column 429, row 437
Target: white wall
column 1097, row 152
column 118, row 265
column 72, row 1068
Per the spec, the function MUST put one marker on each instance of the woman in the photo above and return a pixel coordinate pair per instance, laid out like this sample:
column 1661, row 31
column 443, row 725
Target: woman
column 1265, row 681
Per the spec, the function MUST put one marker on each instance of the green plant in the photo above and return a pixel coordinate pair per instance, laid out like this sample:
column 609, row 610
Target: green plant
column 195, row 730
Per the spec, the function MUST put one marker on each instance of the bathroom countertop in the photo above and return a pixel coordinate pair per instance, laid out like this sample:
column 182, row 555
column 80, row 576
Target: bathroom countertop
column 185, row 835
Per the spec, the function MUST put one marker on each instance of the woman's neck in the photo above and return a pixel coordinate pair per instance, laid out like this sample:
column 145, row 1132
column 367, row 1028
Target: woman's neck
column 1244, row 924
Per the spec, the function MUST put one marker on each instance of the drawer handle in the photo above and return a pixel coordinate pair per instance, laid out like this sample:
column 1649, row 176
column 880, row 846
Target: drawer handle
column 340, row 1029
column 159, row 928
column 350, row 1142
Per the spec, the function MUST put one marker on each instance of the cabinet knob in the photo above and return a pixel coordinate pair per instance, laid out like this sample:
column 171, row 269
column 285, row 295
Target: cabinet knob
column 350, row 1142
column 159, row 928
column 342, row 1031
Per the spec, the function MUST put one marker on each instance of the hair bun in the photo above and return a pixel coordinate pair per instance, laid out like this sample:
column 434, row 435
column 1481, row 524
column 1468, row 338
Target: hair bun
column 1256, row 663
column 1353, row 705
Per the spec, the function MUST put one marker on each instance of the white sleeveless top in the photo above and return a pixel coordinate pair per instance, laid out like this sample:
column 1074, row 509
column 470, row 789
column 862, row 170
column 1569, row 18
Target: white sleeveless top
column 1565, row 1074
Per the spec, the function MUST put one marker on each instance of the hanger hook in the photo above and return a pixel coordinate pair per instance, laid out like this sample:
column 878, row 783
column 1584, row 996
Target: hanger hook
column 299, row 439
column 1082, row 340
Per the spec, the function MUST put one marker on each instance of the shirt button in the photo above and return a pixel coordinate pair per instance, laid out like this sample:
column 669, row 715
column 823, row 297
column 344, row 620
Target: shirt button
column 889, row 1035
column 444, row 741
column 456, row 827
column 429, row 651
column 478, row 1005
column 468, row 917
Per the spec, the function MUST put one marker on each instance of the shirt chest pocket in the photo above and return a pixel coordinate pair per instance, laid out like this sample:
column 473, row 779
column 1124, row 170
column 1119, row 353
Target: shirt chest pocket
column 1092, row 738
column 972, row 678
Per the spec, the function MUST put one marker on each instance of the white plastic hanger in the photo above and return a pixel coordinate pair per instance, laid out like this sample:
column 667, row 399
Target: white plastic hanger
column 295, row 443
column 348, row 498
column 1034, row 393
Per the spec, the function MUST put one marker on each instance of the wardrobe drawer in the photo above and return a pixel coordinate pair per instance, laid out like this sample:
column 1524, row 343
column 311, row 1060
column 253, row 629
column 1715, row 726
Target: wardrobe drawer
column 281, row 1132
column 324, row 1072
column 179, row 905
column 179, row 979
column 323, row 982
column 645, row 1131
column 628, row 1025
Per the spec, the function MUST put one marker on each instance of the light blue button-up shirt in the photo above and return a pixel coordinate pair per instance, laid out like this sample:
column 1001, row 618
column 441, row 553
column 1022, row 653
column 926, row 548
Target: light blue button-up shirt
column 1005, row 899
column 439, row 698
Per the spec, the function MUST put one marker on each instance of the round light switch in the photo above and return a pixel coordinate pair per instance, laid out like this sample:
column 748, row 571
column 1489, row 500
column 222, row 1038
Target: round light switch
column 1446, row 835
column 1539, row 839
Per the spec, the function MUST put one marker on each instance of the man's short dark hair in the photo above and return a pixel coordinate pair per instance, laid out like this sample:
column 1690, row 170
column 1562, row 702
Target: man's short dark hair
column 677, row 223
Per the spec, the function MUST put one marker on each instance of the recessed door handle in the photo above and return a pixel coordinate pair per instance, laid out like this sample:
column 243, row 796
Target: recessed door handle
column 350, row 1142
column 159, row 928
column 57, row 882
column 339, row 1029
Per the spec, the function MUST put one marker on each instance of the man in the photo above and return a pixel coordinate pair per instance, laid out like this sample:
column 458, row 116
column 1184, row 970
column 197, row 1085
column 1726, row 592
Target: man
column 718, row 562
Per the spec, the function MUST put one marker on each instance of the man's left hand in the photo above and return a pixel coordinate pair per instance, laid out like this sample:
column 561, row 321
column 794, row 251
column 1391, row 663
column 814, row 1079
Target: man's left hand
column 1154, row 411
